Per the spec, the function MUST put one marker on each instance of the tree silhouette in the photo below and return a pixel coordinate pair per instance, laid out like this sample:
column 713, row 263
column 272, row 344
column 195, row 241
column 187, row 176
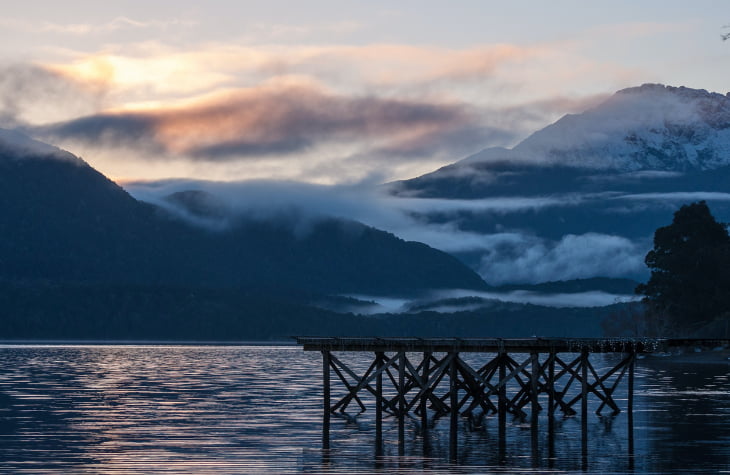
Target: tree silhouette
column 689, row 285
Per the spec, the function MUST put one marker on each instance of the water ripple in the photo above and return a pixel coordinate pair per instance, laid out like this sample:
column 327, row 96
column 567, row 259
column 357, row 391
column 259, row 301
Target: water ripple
column 248, row 409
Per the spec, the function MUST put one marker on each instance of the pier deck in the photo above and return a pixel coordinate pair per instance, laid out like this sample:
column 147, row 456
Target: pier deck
column 488, row 345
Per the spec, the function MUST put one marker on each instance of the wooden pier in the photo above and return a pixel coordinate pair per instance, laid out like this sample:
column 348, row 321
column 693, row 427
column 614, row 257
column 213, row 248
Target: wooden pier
column 430, row 378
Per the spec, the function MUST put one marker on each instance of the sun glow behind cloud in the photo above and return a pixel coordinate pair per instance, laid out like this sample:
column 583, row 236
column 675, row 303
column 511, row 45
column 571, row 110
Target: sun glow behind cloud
column 323, row 114
column 349, row 68
column 164, row 75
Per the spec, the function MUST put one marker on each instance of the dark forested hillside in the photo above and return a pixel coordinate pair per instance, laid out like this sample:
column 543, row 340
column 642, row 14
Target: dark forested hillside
column 63, row 221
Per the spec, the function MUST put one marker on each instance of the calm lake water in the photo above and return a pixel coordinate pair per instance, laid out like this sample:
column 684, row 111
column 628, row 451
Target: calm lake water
column 254, row 409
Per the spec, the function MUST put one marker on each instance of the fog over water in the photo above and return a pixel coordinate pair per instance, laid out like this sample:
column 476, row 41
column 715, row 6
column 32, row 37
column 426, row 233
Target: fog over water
column 589, row 299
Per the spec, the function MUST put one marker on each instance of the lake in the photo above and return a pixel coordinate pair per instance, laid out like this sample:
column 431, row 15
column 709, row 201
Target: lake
column 257, row 409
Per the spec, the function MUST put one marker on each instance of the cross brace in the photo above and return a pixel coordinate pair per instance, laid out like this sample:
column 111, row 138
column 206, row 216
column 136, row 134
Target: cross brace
column 414, row 379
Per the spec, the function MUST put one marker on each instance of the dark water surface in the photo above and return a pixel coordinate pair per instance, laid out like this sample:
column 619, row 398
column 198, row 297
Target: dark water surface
column 254, row 409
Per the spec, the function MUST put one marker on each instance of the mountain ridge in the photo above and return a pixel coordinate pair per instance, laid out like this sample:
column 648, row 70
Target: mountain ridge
column 65, row 221
column 638, row 128
column 649, row 128
column 594, row 186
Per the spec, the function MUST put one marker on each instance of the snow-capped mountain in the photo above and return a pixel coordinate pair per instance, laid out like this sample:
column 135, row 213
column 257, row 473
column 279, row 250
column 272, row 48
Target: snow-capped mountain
column 583, row 196
column 651, row 127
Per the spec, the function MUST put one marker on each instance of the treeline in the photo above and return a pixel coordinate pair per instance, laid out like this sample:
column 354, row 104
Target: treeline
column 106, row 312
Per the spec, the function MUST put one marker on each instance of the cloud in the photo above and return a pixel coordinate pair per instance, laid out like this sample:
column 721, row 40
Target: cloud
column 318, row 113
column 362, row 202
column 109, row 129
column 349, row 68
column 532, row 115
column 678, row 196
column 434, row 302
column 20, row 146
column 274, row 120
column 498, row 204
column 264, row 199
column 293, row 130
column 79, row 29
column 148, row 71
column 507, row 257
column 282, row 31
column 381, row 65
column 577, row 299
column 500, row 76
column 301, row 204
column 634, row 30
column 519, row 258
column 157, row 77
column 33, row 94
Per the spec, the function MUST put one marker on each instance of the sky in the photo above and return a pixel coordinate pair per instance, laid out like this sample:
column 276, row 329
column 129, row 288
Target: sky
column 279, row 104
column 330, row 92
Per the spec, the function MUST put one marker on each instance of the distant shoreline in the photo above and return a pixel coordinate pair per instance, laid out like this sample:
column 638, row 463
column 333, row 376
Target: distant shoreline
column 146, row 343
column 680, row 356
column 689, row 356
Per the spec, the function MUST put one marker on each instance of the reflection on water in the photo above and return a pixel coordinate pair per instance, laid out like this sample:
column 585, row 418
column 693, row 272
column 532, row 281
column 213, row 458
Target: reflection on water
column 687, row 422
column 227, row 409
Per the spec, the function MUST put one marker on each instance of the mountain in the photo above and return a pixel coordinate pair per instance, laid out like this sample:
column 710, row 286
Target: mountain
column 557, row 201
column 64, row 222
column 651, row 127
column 636, row 137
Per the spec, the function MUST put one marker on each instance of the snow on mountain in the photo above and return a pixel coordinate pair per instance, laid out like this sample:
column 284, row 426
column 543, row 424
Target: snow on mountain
column 593, row 186
column 651, row 127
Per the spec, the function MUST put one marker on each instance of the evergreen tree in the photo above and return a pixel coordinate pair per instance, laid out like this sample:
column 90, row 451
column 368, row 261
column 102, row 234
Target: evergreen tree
column 690, row 271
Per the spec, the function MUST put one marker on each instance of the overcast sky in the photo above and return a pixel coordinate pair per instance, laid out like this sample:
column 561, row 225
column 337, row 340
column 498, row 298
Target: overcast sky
column 331, row 92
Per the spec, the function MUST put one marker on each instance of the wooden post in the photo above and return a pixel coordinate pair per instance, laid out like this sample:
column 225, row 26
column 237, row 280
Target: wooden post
column 502, row 407
column 326, row 391
column 551, row 409
column 631, row 384
column 424, row 398
column 534, row 379
column 630, row 409
column 401, row 403
column 534, row 405
column 379, row 404
column 453, row 435
column 584, row 407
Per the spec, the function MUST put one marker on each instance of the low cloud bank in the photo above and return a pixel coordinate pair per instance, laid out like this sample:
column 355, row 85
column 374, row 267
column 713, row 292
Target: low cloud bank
column 507, row 257
column 520, row 258
column 443, row 301
column 579, row 299
column 679, row 196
